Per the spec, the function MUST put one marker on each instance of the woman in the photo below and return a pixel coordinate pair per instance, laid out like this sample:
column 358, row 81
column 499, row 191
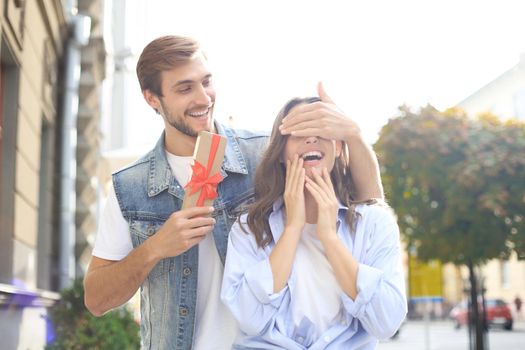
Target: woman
column 307, row 267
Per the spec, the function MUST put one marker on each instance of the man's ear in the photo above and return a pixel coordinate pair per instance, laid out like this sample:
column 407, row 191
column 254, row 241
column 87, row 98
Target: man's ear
column 152, row 99
column 338, row 148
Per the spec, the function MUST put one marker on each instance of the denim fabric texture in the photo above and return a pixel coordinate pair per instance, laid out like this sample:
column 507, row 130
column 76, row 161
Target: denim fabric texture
column 148, row 194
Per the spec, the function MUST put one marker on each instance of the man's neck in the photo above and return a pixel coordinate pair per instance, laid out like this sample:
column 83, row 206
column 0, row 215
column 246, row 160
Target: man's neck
column 180, row 144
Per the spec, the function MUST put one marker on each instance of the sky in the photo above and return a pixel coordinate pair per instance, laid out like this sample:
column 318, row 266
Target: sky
column 372, row 56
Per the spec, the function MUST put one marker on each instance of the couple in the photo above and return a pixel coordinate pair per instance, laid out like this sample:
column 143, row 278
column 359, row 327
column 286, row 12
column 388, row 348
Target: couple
column 314, row 263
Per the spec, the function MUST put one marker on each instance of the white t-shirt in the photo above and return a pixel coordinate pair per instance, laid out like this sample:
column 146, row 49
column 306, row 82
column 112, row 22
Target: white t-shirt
column 316, row 295
column 215, row 326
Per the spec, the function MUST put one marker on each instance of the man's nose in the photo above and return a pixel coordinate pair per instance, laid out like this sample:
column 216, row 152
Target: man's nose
column 203, row 97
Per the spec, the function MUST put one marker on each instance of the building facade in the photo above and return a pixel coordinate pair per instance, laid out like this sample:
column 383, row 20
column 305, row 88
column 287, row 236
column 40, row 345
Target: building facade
column 36, row 101
column 503, row 96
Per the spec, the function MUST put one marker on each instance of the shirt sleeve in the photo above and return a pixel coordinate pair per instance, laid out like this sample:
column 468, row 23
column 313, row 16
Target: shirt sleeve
column 113, row 240
column 381, row 303
column 247, row 287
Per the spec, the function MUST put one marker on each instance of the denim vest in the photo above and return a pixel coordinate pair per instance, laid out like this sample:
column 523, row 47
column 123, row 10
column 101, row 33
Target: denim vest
column 148, row 194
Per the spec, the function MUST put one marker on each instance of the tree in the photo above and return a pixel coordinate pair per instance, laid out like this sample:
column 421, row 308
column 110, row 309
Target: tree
column 457, row 185
column 76, row 328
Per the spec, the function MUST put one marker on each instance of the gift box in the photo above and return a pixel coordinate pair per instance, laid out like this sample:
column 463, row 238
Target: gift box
column 206, row 175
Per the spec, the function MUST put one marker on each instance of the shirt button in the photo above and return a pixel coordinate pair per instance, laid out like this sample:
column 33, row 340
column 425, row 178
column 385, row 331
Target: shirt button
column 344, row 323
column 326, row 338
column 151, row 230
column 183, row 311
column 300, row 339
column 186, row 271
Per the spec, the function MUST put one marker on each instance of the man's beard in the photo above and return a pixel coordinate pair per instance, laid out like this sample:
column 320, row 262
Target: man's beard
column 180, row 125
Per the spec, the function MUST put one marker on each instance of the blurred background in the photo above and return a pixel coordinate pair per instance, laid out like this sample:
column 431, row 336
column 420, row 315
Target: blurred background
column 71, row 113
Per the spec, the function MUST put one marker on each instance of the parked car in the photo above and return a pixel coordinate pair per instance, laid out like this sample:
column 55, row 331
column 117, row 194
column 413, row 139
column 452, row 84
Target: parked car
column 498, row 314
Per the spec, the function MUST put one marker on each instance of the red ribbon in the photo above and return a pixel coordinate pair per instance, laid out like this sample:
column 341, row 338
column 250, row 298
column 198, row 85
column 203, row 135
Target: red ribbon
column 201, row 179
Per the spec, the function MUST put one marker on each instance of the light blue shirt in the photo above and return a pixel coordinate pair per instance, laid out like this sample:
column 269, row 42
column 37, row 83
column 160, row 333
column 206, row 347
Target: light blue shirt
column 265, row 318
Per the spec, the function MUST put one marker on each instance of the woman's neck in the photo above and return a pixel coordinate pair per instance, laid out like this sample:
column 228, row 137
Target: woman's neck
column 310, row 208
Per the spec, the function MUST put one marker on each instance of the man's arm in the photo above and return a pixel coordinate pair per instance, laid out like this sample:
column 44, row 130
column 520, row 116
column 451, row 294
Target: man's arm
column 365, row 169
column 326, row 120
column 109, row 284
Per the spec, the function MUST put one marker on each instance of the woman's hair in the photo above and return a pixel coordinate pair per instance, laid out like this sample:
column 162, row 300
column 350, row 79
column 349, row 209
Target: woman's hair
column 270, row 179
column 163, row 54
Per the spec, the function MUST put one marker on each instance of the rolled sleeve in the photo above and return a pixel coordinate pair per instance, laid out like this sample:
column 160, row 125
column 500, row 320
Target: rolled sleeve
column 247, row 286
column 380, row 304
column 260, row 281
column 368, row 280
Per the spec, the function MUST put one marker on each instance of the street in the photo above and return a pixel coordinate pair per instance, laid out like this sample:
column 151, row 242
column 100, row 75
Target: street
column 443, row 336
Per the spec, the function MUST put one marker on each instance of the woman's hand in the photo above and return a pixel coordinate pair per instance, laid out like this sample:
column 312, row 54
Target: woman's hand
column 283, row 253
column 294, row 194
column 321, row 188
column 343, row 263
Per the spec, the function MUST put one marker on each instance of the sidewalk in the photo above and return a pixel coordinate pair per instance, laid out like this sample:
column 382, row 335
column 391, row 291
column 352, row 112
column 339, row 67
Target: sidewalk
column 519, row 325
column 441, row 335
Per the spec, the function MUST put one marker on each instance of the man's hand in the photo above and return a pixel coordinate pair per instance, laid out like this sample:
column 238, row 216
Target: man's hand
column 182, row 230
column 322, row 119
column 109, row 284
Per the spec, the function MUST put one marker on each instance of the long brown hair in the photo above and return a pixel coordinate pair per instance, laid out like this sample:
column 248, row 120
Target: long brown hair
column 270, row 179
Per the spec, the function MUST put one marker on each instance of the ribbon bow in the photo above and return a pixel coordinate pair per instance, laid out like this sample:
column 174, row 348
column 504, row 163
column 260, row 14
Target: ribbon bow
column 201, row 179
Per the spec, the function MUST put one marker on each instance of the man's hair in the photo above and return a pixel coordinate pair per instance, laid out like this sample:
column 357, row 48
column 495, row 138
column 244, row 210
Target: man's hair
column 270, row 180
column 163, row 54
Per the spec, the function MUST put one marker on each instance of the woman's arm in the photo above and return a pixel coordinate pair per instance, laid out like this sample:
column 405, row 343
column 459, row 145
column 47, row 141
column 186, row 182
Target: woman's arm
column 381, row 303
column 247, row 285
column 255, row 279
column 283, row 253
column 374, row 290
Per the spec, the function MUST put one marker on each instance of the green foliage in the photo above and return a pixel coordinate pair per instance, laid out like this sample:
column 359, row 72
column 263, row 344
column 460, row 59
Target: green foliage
column 456, row 184
column 76, row 328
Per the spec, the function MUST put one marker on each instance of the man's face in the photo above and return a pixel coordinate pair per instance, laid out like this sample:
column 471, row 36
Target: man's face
column 188, row 97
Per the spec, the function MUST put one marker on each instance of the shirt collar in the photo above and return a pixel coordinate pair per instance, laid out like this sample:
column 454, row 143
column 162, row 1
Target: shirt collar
column 233, row 157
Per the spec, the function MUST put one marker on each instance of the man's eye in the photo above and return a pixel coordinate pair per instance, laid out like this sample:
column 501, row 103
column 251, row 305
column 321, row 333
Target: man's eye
column 207, row 82
column 185, row 90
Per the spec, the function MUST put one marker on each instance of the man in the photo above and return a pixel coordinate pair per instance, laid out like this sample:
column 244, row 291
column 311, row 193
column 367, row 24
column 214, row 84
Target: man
column 176, row 256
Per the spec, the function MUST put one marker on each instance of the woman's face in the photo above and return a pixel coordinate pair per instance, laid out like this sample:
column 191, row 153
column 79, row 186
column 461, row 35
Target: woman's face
column 316, row 152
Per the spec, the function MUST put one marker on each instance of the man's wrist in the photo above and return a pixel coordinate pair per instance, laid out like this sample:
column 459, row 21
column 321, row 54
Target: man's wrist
column 151, row 252
column 354, row 136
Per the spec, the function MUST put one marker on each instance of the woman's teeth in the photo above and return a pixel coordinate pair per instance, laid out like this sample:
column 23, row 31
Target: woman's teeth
column 313, row 155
